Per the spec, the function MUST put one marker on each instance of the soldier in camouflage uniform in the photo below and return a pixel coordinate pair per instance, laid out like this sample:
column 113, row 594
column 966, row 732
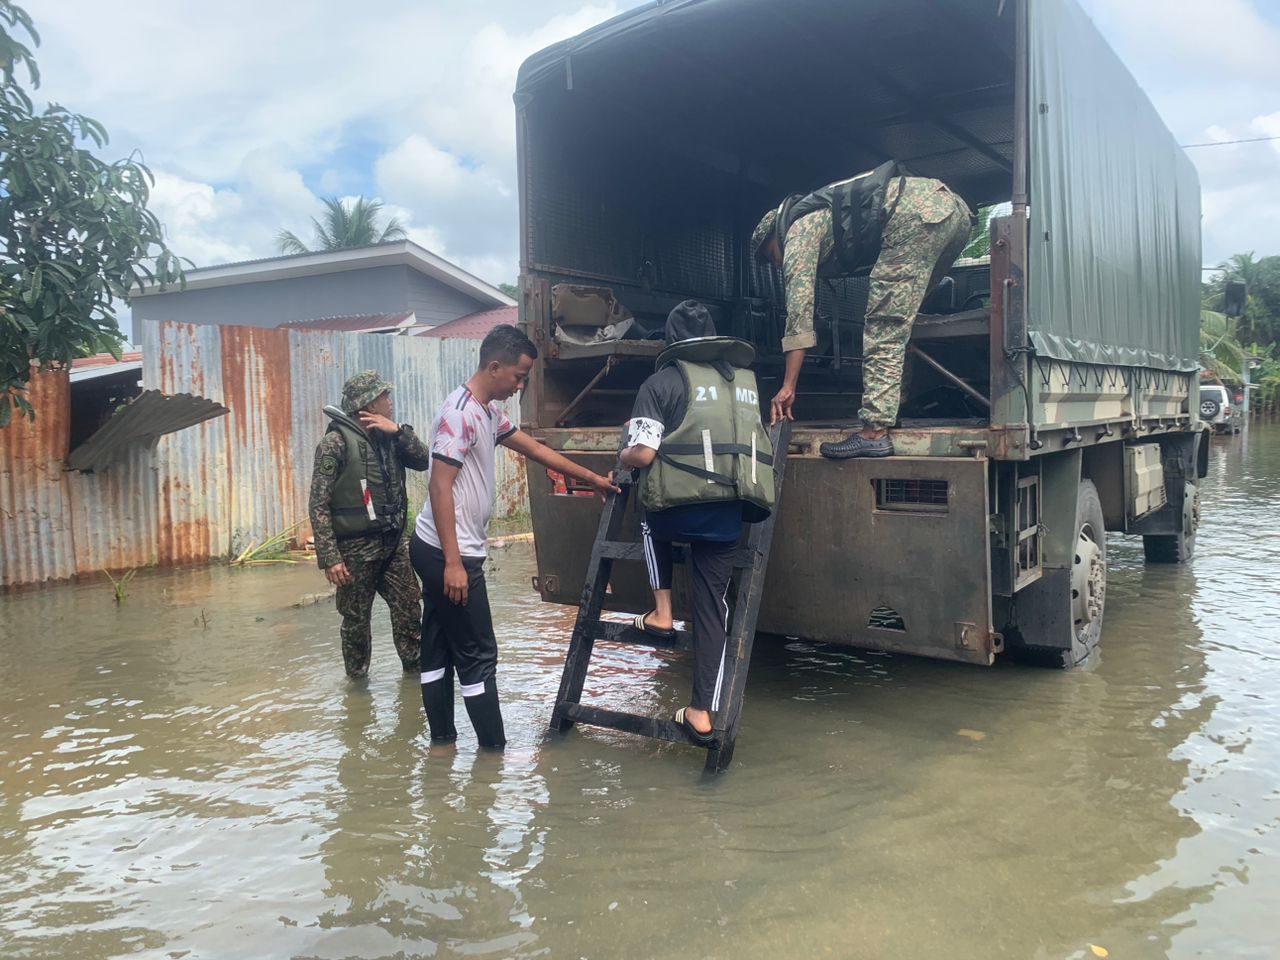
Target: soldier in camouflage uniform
column 908, row 230
column 358, row 508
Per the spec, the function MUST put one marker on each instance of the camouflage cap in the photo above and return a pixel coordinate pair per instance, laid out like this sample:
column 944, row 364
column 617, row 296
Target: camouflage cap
column 362, row 389
column 763, row 231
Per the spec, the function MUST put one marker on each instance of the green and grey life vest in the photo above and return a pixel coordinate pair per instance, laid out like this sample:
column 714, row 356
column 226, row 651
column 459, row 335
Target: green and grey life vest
column 721, row 450
column 364, row 502
column 857, row 210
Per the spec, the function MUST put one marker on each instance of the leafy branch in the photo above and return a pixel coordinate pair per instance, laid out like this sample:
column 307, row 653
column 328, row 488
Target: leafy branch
column 75, row 232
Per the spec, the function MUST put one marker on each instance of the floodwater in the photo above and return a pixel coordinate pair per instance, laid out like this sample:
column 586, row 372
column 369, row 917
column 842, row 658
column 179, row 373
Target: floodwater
column 190, row 775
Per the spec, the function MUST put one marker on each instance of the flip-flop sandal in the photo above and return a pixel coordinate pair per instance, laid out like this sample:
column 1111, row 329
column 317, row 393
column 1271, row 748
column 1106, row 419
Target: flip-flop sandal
column 643, row 627
column 697, row 736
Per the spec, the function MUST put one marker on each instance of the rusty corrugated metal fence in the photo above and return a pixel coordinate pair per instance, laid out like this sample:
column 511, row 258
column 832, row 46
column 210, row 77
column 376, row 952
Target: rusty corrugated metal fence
column 210, row 490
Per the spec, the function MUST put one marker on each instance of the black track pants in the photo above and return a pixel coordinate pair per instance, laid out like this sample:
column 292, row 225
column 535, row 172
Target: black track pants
column 457, row 639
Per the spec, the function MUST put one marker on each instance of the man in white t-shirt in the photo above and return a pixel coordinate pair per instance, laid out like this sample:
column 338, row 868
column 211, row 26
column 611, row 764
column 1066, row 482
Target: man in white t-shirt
column 449, row 542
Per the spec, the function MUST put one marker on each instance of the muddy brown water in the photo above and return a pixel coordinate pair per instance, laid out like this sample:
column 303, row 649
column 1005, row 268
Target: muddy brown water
column 176, row 788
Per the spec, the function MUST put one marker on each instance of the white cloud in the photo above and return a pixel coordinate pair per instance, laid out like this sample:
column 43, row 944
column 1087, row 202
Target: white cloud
column 247, row 114
column 1212, row 69
column 194, row 214
column 471, row 207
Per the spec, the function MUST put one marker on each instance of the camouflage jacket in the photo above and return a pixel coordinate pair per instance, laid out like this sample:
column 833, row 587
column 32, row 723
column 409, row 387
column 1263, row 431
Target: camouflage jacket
column 331, row 457
column 810, row 245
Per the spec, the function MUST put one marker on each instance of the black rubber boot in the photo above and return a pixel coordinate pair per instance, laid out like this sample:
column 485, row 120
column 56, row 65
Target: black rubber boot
column 486, row 716
column 854, row 445
column 437, row 700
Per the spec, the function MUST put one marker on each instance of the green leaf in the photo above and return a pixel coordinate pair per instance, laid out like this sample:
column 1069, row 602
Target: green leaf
column 37, row 286
column 73, row 227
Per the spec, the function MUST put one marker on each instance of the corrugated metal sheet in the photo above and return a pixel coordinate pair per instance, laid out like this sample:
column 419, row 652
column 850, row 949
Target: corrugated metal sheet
column 256, row 382
column 353, row 322
column 114, row 513
column 474, row 326
column 36, row 523
column 193, row 467
column 206, row 490
column 148, row 416
column 317, row 366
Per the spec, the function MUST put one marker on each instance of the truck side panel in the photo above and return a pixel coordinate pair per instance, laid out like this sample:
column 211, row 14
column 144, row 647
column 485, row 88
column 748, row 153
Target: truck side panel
column 887, row 555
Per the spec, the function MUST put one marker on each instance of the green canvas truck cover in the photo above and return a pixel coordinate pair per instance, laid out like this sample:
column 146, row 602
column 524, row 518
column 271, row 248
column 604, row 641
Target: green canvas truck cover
column 1114, row 244
column 819, row 89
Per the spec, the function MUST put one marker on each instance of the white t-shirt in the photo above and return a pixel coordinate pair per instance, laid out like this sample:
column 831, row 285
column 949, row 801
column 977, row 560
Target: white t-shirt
column 466, row 435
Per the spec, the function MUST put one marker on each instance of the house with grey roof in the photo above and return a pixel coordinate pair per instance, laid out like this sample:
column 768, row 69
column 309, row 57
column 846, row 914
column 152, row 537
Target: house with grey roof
column 354, row 286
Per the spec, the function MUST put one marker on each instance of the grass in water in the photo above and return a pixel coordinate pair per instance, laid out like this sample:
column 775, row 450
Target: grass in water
column 121, row 585
column 275, row 549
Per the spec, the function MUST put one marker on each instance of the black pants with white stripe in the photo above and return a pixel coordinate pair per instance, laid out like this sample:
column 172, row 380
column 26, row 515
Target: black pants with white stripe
column 711, row 567
column 457, row 638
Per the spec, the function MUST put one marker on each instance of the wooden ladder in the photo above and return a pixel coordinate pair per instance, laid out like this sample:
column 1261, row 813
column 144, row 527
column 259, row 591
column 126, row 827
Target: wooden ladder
column 748, row 575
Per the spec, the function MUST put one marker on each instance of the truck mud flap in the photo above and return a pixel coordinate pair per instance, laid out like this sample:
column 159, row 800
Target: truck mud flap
column 887, row 554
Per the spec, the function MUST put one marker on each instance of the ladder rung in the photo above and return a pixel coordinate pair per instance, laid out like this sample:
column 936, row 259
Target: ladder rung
column 613, row 632
column 656, row 727
column 621, row 550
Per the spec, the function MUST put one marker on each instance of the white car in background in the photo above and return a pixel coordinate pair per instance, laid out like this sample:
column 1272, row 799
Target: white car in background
column 1217, row 409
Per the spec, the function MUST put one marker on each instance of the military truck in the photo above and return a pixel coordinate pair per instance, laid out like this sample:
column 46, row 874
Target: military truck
column 1052, row 390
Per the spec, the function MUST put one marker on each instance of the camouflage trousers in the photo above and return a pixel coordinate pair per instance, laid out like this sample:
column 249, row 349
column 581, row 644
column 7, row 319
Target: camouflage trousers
column 385, row 571
column 922, row 239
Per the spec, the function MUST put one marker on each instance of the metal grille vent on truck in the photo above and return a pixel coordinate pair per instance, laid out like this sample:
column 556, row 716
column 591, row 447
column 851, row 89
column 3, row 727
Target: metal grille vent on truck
column 912, row 495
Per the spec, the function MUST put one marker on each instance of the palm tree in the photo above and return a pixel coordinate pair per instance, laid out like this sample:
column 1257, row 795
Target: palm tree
column 354, row 225
column 1245, row 267
column 1241, row 266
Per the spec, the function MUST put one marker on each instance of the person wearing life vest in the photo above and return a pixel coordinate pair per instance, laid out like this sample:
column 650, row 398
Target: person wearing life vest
column 908, row 230
column 695, row 431
column 358, row 510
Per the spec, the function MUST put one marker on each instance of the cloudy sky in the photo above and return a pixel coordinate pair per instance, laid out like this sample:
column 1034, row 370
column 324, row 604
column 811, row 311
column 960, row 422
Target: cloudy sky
column 248, row 112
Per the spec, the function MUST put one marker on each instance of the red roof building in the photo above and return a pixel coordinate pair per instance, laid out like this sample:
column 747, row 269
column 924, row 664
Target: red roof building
column 474, row 326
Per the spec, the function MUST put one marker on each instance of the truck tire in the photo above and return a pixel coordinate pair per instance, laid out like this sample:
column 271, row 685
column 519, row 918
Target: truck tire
column 1087, row 588
column 1088, row 573
column 1181, row 546
column 1209, row 408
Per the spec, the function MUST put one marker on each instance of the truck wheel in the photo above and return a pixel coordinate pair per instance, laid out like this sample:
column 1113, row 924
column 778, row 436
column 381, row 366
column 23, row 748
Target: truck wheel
column 1087, row 588
column 1088, row 572
column 1176, row 547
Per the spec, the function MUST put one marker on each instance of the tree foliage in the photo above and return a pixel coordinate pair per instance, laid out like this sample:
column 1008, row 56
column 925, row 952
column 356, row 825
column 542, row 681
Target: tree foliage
column 1260, row 324
column 1265, row 375
column 75, row 232
column 343, row 225
column 1220, row 352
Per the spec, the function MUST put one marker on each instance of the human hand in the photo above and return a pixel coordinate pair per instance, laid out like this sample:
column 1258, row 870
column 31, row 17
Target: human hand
column 782, row 401
column 376, row 421
column 455, row 582
column 604, row 485
column 338, row 574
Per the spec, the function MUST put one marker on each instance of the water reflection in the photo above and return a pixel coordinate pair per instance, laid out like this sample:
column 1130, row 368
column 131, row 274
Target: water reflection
column 172, row 789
